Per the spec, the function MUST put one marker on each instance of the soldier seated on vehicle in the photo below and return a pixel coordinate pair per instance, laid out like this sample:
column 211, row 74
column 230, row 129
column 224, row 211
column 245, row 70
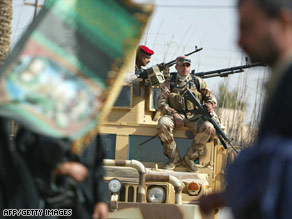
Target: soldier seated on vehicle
column 143, row 57
column 171, row 103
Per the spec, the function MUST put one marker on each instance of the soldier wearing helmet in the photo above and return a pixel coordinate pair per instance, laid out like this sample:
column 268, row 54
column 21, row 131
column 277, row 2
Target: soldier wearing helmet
column 172, row 105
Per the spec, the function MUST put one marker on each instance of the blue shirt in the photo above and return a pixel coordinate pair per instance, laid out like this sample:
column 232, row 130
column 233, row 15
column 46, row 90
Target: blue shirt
column 259, row 182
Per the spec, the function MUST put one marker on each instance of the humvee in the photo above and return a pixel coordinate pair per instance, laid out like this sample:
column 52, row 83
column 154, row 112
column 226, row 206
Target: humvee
column 139, row 187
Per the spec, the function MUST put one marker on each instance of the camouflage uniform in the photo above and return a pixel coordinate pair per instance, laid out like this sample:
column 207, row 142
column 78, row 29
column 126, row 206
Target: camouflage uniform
column 171, row 102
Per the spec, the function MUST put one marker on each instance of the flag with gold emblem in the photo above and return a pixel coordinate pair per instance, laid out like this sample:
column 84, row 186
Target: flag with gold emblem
column 66, row 71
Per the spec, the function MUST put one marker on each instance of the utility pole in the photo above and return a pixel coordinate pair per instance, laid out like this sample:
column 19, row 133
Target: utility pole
column 36, row 6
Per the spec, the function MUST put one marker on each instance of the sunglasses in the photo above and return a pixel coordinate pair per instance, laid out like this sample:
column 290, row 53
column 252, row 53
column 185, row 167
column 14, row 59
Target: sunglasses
column 184, row 60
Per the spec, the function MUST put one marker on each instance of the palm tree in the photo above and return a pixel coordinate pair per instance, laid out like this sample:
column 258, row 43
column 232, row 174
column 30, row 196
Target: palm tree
column 5, row 32
column 5, row 28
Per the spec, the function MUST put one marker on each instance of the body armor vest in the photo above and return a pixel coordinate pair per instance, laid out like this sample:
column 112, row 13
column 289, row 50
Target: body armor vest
column 176, row 99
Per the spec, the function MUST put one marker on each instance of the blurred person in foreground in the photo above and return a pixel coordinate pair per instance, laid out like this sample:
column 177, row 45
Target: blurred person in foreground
column 63, row 179
column 259, row 181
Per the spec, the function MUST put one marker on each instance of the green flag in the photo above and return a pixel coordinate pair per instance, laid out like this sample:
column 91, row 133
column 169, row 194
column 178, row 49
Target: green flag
column 67, row 69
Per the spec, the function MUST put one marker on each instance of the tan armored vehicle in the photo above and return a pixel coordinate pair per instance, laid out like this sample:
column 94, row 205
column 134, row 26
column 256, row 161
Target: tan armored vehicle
column 139, row 187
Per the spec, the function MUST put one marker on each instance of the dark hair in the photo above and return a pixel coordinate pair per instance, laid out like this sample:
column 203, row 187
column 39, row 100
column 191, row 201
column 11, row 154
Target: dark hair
column 271, row 7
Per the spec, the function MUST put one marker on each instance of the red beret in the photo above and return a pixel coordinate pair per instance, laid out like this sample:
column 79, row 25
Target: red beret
column 146, row 50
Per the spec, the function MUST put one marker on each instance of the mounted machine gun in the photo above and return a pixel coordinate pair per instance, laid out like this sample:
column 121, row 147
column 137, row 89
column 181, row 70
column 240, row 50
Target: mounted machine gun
column 159, row 72
column 226, row 71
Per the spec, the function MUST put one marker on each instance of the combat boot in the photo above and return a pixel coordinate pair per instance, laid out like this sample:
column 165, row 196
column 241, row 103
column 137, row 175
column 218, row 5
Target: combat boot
column 190, row 164
column 174, row 160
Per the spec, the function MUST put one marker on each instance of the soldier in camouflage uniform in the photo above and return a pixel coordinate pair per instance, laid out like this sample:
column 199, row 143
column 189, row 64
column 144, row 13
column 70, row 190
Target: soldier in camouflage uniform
column 171, row 103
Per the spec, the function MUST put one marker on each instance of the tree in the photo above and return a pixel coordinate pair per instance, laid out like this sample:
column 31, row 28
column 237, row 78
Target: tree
column 230, row 99
column 5, row 28
column 231, row 110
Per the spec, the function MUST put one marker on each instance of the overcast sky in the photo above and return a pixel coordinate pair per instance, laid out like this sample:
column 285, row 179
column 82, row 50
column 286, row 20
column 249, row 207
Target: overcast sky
column 175, row 28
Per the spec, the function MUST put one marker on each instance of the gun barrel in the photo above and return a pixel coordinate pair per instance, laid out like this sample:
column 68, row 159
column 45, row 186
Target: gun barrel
column 223, row 74
column 173, row 61
column 196, row 50
column 226, row 71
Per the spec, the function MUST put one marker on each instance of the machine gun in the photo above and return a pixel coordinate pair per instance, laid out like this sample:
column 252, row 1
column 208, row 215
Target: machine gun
column 171, row 63
column 201, row 109
column 225, row 71
column 157, row 74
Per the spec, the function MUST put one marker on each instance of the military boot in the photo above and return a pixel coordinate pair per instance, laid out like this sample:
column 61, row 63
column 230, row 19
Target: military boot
column 190, row 164
column 174, row 160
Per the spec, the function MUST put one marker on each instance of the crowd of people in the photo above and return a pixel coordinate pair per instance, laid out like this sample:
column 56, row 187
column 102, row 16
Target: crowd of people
column 40, row 172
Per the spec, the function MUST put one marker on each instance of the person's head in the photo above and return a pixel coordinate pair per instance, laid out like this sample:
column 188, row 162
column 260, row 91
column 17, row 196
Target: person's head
column 143, row 55
column 183, row 65
column 265, row 29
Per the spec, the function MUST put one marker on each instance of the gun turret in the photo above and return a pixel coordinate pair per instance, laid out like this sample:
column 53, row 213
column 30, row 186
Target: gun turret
column 159, row 72
column 225, row 71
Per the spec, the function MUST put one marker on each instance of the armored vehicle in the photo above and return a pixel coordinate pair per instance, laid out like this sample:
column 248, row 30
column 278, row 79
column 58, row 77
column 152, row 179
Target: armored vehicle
column 139, row 187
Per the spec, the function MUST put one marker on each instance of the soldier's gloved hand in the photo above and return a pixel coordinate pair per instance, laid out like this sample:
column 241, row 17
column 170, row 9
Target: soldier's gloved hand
column 209, row 107
column 178, row 120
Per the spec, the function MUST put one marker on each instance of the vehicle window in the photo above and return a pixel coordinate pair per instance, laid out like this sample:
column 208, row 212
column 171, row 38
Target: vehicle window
column 153, row 98
column 108, row 142
column 152, row 151
column 124, row 99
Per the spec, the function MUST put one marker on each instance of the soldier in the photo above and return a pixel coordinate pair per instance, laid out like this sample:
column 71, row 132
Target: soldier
column 143, row 57
column 171, row 104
